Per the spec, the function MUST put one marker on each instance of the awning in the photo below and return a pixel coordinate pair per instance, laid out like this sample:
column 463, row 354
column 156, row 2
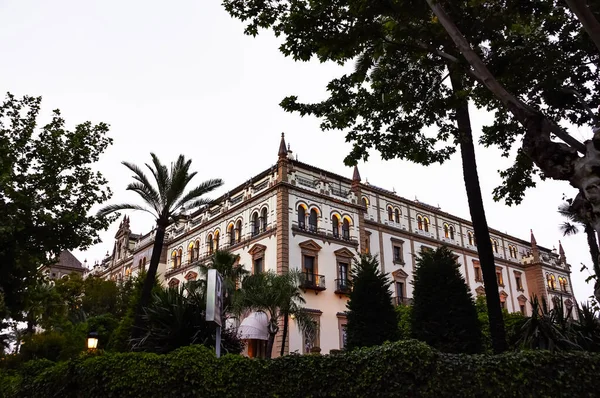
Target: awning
column 254, row 326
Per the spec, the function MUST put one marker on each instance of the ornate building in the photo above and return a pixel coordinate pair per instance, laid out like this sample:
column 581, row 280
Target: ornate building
column 67, row 264
column 297, row 216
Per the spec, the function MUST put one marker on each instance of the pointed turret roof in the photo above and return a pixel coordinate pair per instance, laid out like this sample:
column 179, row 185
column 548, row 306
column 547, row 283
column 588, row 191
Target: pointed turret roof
column 561, row 251
column 282, row 147
column 533, row 241
column 356, row 174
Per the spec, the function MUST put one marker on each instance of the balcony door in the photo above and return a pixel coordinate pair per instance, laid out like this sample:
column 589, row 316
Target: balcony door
column 309, row 269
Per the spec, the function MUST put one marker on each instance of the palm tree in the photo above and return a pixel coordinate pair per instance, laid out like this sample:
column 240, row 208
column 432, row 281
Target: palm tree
column 279, row 296
column 575, row 213
column 165, row 201
column 227, row 264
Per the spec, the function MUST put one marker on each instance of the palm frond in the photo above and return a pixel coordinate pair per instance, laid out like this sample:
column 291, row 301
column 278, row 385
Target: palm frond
column 106, row 210
column 568, row 228
column 151, row 193
column 161, row 175
column 192, row 199
column 146, row 194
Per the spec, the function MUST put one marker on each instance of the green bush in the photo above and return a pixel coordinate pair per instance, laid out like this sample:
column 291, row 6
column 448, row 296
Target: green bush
column 407, row 368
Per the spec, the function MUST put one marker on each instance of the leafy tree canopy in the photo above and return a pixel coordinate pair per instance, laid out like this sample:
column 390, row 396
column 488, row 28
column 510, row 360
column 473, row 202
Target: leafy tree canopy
column 536, row 49
column 47, row 187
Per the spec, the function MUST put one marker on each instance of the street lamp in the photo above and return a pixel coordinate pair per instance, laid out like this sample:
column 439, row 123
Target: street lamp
column 92, row 341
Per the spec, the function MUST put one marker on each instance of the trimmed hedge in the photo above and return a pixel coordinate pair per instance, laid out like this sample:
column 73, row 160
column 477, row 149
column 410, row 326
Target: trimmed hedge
column 407, row 368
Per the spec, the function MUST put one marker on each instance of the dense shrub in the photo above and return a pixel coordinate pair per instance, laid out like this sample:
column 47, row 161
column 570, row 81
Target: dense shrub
column 407, row 368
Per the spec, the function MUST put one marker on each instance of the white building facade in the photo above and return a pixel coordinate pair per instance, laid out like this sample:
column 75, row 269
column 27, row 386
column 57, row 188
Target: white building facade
column 297, row 216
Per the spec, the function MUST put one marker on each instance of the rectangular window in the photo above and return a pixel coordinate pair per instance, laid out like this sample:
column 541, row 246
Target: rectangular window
column 309, row 264
column 399, row 293
column 343, row 271
column 499, row 278
column 522, row 307
column 503, row 304
column 312, row 339
column 258, row 265
column 478, row 276
column 343, row 337
column 519, row 283
column 397, row 254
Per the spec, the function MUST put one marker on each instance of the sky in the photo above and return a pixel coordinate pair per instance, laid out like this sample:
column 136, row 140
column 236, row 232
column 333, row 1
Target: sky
column 181, row 78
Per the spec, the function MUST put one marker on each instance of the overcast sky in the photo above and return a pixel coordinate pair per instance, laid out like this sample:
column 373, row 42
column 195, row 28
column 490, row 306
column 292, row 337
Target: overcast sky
column 181, row 78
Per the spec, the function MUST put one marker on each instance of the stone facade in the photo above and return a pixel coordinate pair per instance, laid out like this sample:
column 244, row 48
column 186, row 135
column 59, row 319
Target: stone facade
column 297, row 216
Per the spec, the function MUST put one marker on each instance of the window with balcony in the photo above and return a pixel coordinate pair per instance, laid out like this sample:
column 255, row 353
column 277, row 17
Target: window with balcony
column 343, row 258
column 397, row 215
column 400, row 293
column 257, row 251
column 301, row 217
column 309, row 268
column 310, row 278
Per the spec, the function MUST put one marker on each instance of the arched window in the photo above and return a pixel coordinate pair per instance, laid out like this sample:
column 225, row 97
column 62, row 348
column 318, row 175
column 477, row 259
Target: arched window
column 446, row 230
column 231, row 234
column 128, row 271
column 179, row 256
column 397, row 215
column 420, row 222
column 365, row 202
column 495, row 244
column 255, row 224
column 301, row 217
column 210, row 244
column 190, row 253
column 563, row 283
column 174, row 259
column 335, row 226
column 238, row 231
column 196, row 250
column 513, row 251
column 312, row 220
column 263, row 219
column 452, row 232
column 346, row 229
column 426, row 224
column 390, row 213
column 470, row 238
column 216, row 240
column 144, row 264
column 551, row 281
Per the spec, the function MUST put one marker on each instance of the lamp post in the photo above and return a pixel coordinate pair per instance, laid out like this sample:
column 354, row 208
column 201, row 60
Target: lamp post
column 92, row 341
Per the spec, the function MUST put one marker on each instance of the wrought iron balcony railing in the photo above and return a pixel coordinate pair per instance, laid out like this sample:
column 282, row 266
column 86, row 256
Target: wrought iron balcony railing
column 342, row 286
column 312, row 281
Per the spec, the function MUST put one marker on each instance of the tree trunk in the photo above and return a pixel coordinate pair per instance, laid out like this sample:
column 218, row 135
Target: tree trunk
column 146, row 295
column 270, row 344
column 480, row 227
column 587, row 19
column 590, row 232
column 284, row 333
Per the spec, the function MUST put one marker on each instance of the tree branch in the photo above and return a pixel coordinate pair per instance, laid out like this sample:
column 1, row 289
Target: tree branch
column 587, row 19
column 520, row 110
